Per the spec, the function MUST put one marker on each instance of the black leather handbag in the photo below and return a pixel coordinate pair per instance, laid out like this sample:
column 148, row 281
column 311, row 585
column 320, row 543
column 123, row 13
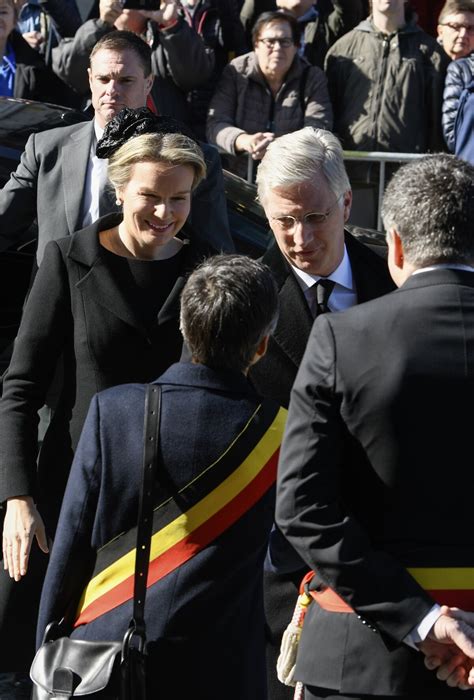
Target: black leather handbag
column 69, row 668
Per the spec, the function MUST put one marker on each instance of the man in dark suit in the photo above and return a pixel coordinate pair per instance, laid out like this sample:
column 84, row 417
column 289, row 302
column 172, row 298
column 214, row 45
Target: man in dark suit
column 62, row 184
column 306, row 194
column 307, row 197
column 376, row 461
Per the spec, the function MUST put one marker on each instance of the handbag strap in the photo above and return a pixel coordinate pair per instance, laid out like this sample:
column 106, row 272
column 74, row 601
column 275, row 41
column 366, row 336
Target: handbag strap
column 151, row 434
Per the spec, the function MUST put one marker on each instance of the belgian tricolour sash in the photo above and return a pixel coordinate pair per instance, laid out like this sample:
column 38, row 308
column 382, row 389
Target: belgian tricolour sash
column 193, row 518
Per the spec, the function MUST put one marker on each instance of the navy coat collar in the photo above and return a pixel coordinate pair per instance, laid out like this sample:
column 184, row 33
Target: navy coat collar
column 204, row 377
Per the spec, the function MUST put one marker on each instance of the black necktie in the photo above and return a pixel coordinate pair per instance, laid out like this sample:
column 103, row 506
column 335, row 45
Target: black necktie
column 324, row 288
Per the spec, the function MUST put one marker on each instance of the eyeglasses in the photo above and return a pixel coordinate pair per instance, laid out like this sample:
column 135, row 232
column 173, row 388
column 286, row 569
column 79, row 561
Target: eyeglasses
column 271, row 41
column 457, row 27
column 288, row 222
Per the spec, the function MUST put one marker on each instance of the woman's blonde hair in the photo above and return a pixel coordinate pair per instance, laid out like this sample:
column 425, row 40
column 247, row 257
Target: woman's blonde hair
column 174, row 149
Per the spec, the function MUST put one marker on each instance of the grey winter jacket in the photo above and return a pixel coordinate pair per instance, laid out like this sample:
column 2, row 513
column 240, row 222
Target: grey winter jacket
column 243, row 102
column 387, row 90
column 459, row 75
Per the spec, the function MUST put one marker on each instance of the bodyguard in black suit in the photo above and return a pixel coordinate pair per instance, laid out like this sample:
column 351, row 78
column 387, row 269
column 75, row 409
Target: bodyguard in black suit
column 302, row 175
column 376, row 461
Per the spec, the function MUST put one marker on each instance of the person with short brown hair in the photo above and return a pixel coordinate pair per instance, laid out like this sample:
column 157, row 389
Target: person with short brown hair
column 266, row 93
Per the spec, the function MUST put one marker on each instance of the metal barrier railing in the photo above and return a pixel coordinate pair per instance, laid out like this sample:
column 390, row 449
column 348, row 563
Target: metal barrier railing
column 362, row 157
column 382, row 159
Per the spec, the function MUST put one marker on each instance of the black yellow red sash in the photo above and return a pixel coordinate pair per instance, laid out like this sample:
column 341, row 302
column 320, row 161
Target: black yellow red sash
column 193, row 518
column 453, row 586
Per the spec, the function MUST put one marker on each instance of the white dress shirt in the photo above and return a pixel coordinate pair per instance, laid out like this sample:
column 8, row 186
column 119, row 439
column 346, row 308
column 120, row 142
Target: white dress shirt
column 96, row 181
column 344, row 294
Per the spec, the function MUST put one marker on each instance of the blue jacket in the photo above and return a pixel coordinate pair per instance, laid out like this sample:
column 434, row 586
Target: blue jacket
column 459, row 75
column 206, row 616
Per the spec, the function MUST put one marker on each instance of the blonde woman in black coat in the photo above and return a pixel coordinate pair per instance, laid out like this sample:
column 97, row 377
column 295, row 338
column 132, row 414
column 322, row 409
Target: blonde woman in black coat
column 104, row 304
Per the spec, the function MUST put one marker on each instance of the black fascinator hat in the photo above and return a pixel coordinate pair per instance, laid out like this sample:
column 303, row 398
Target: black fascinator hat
column 135, row 122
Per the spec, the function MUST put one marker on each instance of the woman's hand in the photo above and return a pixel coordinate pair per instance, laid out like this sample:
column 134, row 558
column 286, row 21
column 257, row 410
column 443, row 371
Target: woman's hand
column 21, row 525
column 255, row 144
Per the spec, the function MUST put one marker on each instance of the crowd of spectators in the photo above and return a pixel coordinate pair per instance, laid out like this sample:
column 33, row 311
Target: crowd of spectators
column 216, row 59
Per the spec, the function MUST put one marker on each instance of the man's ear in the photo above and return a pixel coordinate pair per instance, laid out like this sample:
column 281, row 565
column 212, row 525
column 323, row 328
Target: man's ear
column 398, row 254
column 347, row 204
column 261, row 350
column 397, row 265
column 149, row 83
column 89, row 73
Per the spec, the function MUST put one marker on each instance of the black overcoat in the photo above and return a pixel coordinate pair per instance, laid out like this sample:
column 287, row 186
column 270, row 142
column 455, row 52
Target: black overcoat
column 373, row 479
column 77, row 314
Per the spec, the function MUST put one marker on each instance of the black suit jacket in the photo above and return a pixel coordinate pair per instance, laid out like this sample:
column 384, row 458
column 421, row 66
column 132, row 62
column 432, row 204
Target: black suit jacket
column 76, row 311
column 274, row 375
column 373, row 473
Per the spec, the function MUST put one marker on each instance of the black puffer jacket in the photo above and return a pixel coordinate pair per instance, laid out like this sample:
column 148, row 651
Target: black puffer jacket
column 460, row 73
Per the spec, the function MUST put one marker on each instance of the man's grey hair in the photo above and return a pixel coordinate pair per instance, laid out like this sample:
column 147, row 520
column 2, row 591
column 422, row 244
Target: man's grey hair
column 430, row 203
column 301, row 157
column 228, row 305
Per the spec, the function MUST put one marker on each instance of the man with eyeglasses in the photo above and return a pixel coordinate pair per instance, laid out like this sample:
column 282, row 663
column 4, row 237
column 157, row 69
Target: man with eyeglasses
column 319, row 267
column 265, row 93
column 376, row 460
column 456, row 28
column 458, row 98
column 305, row 192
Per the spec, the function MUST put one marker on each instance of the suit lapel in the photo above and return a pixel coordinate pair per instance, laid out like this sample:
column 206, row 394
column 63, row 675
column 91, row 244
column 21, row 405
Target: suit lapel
column 295, row 320
column 74, row 163
column 95, row 279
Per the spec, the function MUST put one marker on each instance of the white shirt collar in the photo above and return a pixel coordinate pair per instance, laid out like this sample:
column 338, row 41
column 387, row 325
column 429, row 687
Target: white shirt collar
column 98, row 131
column 342, row 275
column 444, row 266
